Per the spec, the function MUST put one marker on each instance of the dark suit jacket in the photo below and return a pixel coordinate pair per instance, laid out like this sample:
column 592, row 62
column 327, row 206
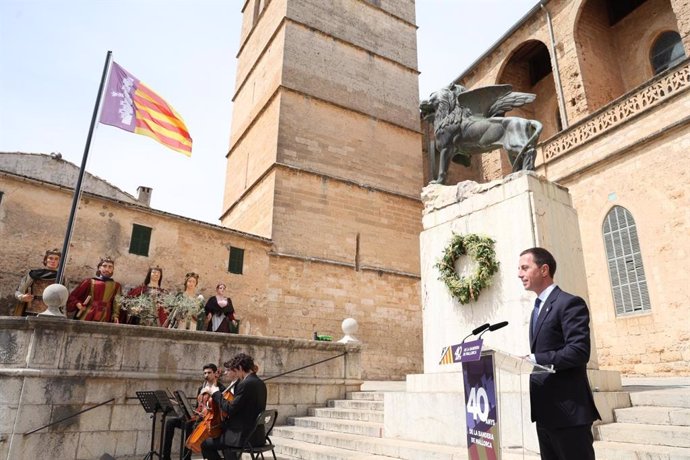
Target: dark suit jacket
column 242, row 411
column 562, row 338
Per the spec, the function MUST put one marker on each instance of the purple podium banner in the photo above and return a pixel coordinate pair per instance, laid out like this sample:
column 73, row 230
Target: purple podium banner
column 481, row 409
column 462, row 352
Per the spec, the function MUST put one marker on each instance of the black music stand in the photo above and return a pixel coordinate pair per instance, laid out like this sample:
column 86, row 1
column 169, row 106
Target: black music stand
column 188, row 414
column 154, row 402
column 187, row 409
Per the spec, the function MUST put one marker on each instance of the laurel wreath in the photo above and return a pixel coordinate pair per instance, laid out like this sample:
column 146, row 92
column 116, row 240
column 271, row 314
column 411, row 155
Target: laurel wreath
column 481, row 250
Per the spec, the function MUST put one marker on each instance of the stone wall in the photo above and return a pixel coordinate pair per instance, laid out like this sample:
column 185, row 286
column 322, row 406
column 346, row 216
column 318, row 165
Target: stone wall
column 654, row 342
column 53, row 368
column 279, row 293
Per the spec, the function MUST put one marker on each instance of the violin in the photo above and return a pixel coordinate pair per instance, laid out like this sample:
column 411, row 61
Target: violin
column 203, row 405
column 210, row 425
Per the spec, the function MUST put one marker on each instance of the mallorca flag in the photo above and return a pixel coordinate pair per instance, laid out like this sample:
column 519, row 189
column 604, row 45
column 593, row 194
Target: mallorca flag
column 132, row 106
column 446, row 355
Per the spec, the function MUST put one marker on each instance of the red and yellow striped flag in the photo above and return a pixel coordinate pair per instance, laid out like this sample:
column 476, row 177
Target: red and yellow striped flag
column 131, row 105
column 446, row 355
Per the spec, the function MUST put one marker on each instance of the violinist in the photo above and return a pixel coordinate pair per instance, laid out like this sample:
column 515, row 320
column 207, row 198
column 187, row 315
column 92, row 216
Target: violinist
column 210, row 381
column 241, row 412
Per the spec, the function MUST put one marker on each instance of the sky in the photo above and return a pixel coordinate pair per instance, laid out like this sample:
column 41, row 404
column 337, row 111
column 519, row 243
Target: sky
column 51, row 62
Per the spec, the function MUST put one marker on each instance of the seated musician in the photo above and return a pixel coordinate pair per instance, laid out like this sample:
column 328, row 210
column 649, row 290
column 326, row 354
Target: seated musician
column 241, row 412
column 210, row 381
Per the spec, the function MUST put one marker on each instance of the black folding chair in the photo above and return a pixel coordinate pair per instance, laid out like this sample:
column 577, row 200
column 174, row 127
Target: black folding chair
column 266, row 419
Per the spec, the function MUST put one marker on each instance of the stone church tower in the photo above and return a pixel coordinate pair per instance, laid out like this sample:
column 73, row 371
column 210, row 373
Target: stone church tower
column 325, row 161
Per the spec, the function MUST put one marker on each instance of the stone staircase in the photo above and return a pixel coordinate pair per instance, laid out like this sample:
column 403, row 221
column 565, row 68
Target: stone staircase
column 351, row 429
column 656, row 427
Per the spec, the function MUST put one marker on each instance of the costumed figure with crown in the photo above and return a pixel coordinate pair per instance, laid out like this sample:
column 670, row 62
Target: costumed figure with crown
column 141, row 304
column 98, row 298
column 186, row 307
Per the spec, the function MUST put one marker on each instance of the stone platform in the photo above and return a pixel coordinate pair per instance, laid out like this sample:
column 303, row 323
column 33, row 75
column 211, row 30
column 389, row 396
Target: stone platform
column 51, row 368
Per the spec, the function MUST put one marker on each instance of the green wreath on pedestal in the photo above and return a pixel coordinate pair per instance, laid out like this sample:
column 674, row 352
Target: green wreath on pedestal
column 481, row 250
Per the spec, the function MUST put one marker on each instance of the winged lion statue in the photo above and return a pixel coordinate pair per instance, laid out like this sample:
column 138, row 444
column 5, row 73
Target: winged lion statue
column 468, row 122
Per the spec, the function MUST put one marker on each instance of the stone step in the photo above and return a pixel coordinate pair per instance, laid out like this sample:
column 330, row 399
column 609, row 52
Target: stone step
column 654, row 415
column 652, row 435
column 383, row 385
column 342, row 426
column 384, row 447
column 356, row 404
column 387, row 448
column 669, row 397
column 306, row 451
column 608, row 450
column 365, row 395
column 347, row 414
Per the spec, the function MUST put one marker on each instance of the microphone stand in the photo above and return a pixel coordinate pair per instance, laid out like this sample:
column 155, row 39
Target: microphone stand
column 476, row 331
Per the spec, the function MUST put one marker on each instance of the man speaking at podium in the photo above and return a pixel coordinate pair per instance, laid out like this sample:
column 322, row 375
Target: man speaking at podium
column 562, row 403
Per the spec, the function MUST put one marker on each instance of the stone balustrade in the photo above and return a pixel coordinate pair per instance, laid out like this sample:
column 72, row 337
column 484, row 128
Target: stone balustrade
column 649, row 95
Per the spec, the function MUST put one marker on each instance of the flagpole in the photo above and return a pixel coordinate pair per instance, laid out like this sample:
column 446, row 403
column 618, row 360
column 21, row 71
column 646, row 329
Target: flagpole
column 82, row 170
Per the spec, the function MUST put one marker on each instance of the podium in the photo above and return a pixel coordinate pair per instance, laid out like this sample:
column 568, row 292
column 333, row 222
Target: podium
column 494, row 384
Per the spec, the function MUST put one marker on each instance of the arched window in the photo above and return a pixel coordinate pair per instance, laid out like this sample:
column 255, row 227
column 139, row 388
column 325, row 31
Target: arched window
column 667, row 51
column 628, row 281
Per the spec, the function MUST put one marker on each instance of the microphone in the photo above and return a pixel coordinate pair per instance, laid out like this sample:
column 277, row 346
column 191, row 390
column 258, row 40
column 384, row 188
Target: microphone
column 477, row 330
column 494, row 327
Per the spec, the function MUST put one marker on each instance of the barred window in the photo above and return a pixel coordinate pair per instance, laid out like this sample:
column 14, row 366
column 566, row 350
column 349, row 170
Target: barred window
column 628, row 281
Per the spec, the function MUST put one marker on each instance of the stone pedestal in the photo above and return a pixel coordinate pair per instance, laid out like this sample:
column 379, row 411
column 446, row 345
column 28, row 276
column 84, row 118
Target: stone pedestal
column 518, row 212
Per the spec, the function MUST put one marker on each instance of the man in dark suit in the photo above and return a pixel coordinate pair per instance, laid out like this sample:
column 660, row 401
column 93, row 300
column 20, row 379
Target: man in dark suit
column 210, row 381
column 562, row 403
column 241, row 412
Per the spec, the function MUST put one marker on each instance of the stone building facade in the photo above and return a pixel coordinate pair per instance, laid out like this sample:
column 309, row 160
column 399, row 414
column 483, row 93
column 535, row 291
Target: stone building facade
column 612, row 81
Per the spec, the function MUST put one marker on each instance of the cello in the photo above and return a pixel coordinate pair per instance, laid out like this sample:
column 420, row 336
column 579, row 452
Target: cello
column 210, row 424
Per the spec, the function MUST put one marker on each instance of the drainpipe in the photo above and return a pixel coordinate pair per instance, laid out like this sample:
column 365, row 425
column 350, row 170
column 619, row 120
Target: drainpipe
column 557, row 74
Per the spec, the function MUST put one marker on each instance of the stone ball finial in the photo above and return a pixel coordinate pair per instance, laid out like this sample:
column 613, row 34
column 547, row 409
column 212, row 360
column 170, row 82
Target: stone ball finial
column 349, row 327
column 55, row 297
